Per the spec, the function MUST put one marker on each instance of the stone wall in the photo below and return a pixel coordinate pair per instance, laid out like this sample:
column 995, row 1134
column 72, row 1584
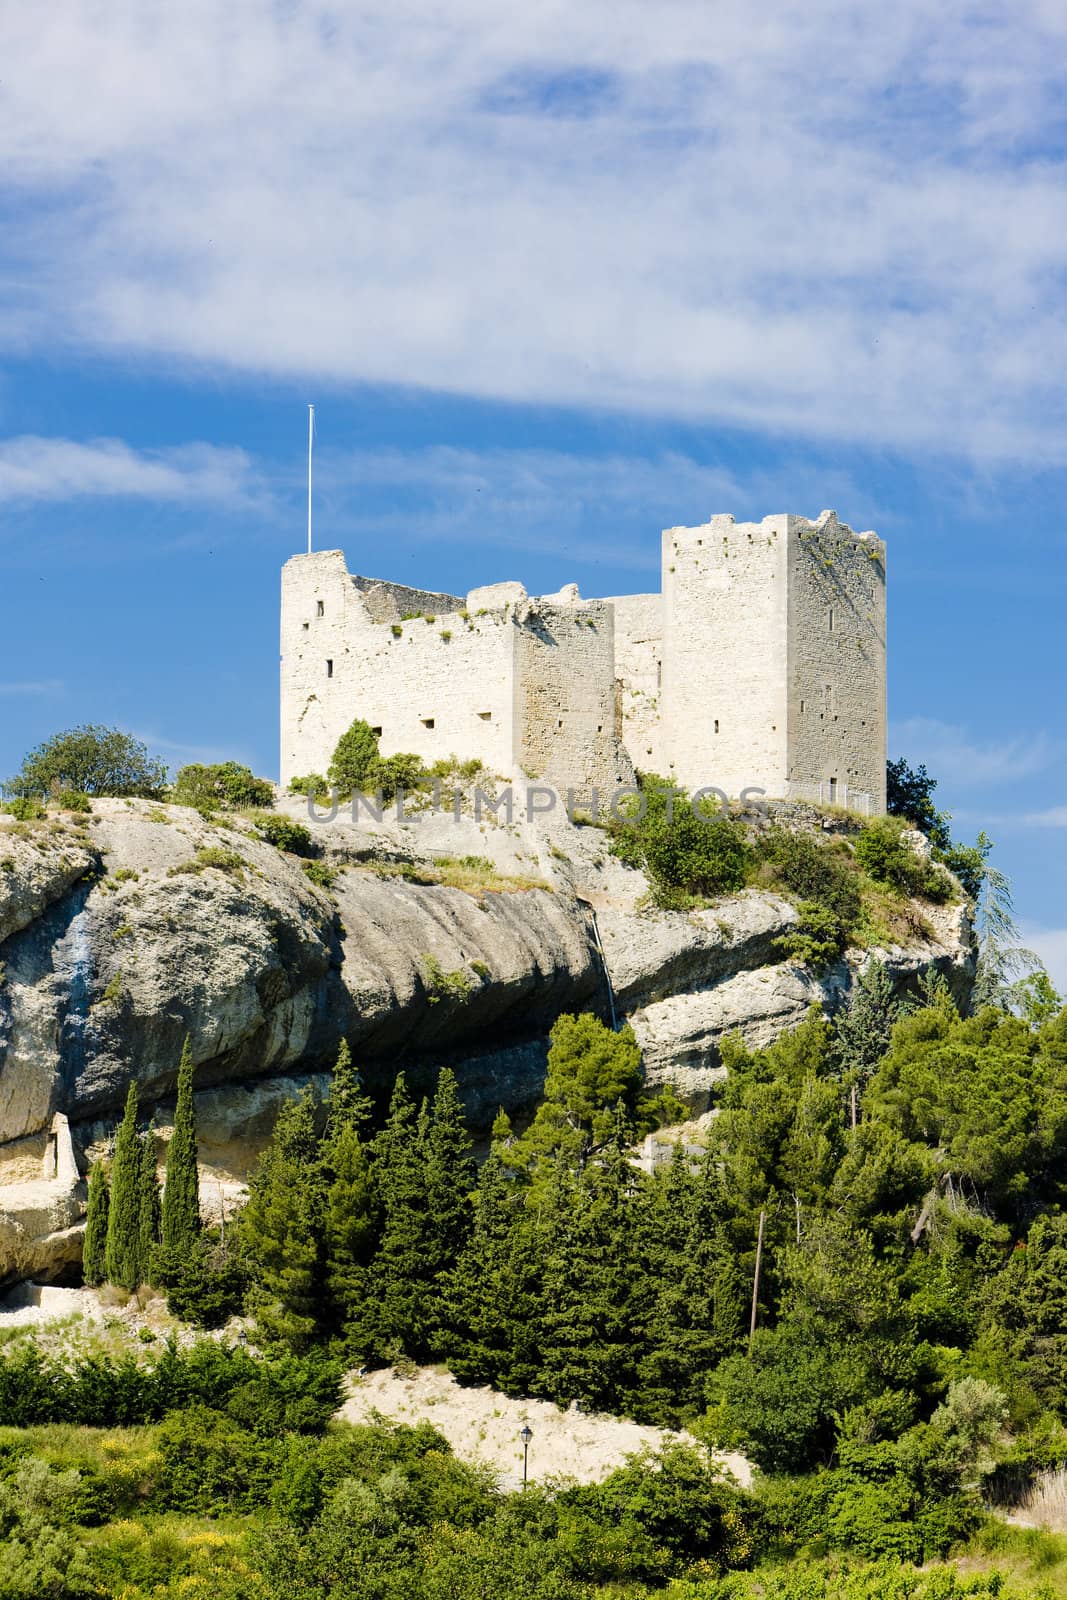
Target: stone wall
column 566, row 719
column 723, row 698
column 837, row 653
column 438, row 688
column 638, row 668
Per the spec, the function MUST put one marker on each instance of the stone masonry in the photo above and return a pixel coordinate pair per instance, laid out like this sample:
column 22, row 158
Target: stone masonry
column 761, row 664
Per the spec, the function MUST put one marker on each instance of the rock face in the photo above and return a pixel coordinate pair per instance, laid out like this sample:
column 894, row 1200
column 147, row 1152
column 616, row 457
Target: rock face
column 126, row 933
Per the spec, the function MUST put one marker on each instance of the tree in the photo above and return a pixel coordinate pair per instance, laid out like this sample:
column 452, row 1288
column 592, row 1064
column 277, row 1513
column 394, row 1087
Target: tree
column 348, row 1106
column 909, row 794
column 94, row 1270
column 591, row 1069
column 122, row 1256
column 685, row 852
column 92, row 760
column 350, row 1223
column 862, row 1030
column 281, row 1228
column 450, row 1171
column 225, row 784
column 354, row 758
column 148, row 1201
column 181, row 1191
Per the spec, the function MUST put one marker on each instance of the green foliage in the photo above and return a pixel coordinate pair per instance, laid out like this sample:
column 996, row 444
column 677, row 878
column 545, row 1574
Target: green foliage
column 180, row 1228
column 280, row 1228
column 93, row 760
column 123, row 1259
column 812, row 870
column 817, row 940
column 312, row 784
column 285, row 834
column 72, row 800
column 25, row 808
column 205, row 1281
column 148, row 1206
column 212, row 857
column 687, row 854
column 94, row 1269
column 909, row 793
column 355, row 759
column 322, row 876
column 225, row 786
column 440, row 985
column 883, row 853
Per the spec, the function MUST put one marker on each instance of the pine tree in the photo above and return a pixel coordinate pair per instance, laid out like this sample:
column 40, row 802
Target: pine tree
column 94, row 1270
column 451, row 1174
column 396, row 1314
column 862, row 1031
column 122, row 1256
column 281, row 1228
column 348, row 1106
column 180, row 1221
column 350, row 1223
column 148, row 1208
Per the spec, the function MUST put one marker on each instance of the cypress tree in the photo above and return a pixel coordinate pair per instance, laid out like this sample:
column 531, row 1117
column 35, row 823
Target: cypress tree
column 862, row 1031
column 93, row 1268
column 148, row 1209
column 180, row 1219
column 451, row 1174
column 348, row 1105
column 396, row 1312
column 122, row 1255
column 350, row 1223
column 281, row 1228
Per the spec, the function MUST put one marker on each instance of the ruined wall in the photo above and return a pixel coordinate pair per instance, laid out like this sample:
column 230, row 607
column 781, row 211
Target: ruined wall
column 638, row 666
column 438, row 688
column 837, row 655
column 724, row 701
column 567, row 724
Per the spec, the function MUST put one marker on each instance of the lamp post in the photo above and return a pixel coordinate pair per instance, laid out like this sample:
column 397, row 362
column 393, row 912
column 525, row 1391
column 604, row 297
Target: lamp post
column 525, row 1434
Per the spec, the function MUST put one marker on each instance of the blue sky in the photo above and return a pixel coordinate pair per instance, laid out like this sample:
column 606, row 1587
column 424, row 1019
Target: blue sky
column 554, row 281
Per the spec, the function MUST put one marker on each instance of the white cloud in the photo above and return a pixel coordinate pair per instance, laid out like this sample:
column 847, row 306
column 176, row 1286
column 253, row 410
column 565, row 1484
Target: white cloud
column 831, row 218
column 38, row 469
column 954, row 757
column 31, row 689
column 1051, row 945
column 1054, row 817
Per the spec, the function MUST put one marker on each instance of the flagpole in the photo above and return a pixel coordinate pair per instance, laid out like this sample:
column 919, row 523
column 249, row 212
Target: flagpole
column 311, row 436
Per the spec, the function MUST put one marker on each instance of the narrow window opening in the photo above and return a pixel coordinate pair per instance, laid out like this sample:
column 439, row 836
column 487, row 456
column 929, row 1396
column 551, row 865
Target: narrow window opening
column 831, row 619
column 600, row 727
column 559, row 724
column 802, row 708
column 329, row 669
column 427, row 722
column 659, row 674
column 833, row 791
column 716, row 724
column 306, row 626
column 486, row 716
column 377, row 732
column 320, row 608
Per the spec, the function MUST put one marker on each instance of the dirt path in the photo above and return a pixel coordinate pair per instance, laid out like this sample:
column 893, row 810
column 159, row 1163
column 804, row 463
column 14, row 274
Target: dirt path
column 483, row 1425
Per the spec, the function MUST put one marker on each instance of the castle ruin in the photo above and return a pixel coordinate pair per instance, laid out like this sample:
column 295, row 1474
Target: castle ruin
column 759, row 665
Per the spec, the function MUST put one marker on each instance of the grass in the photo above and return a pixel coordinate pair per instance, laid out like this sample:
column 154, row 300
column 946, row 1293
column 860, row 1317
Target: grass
column 475, row 875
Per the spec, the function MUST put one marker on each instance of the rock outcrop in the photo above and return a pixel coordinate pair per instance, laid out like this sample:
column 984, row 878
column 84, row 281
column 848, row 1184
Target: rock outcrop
column 143, row 925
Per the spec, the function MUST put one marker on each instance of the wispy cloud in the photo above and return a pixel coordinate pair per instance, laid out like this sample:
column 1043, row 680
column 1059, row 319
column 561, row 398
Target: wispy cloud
column 34, row 469
column 826, row 218
column 955, row 757
column 31, row 689
column 1054, row 817
column 1051, row 945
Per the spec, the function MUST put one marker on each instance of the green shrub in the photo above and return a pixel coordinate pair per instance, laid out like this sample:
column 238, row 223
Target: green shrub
column 313, row 784
column 320, row 874
column 24, row 809
column 685, row 855
column 72, row 800
column 285, row 834
column 882, row 852
column 392, row 773
column 817, row 940
column 813, row 870
column 226, row 785
column 355, row 758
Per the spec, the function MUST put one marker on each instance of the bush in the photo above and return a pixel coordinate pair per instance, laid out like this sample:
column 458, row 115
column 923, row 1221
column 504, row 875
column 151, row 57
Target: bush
column 355, row 759
column 72, row 800
column 813, row 870
column 24, row 809
column 226, row 785
column 686, row 854
column 285, row 834
column 818, row 939
column 205, row 1283
column 402, row 771
column 313, row 784
column 882, row 852
column 92, row 760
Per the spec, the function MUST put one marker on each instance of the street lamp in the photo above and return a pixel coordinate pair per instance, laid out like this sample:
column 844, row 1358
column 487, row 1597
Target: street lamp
column 525, row 1434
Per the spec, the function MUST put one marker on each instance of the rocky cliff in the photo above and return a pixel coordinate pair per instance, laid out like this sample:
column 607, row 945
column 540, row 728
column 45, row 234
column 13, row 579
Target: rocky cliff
column 127, row 931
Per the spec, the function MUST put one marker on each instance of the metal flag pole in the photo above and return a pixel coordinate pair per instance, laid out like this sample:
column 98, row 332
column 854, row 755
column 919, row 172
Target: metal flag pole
column 311, row 437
